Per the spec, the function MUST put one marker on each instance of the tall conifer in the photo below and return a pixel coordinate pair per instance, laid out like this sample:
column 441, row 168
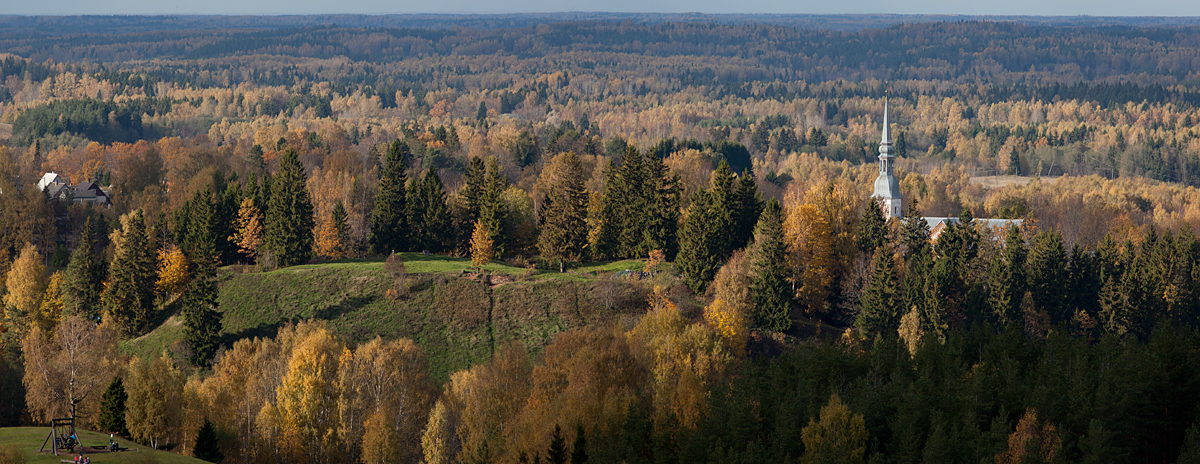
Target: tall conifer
column 130, row 293
column 772, row 294
column 564, row 215
column 83, row 282
column 288, row 234
column 202, row 321
column 388, row 225
column 879, row 308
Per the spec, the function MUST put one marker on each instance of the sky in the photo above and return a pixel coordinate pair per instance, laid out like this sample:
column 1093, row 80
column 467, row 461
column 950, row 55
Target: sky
column 280, row 7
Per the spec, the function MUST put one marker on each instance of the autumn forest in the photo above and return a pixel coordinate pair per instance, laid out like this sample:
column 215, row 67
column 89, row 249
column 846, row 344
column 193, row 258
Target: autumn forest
column 601, row 238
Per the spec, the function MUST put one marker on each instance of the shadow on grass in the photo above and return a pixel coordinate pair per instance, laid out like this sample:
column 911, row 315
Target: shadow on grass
column 347, row 304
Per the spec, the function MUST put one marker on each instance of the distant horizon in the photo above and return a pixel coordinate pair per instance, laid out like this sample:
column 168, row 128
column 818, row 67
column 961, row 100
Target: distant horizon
column 1103, row 8
column 126, row 23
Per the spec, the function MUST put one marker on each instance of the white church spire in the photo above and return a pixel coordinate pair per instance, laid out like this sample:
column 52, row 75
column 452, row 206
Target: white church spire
column 887, row 188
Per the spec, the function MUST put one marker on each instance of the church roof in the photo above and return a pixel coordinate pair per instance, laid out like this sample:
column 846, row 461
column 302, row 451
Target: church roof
column 886, row 186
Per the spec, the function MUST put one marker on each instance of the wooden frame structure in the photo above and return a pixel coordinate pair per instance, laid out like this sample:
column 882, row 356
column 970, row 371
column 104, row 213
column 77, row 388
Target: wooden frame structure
column 62, row 431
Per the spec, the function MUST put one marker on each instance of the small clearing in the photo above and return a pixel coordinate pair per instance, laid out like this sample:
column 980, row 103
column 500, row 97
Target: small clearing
column 1005, row 181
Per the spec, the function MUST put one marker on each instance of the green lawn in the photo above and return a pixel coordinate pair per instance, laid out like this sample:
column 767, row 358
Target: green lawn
column 458, row 320
column 29, row 440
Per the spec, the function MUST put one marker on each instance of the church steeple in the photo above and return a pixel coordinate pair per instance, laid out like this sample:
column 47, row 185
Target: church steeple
column 887, row 188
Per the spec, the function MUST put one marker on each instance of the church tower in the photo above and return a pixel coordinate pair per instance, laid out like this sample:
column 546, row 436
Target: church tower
column 887, row 188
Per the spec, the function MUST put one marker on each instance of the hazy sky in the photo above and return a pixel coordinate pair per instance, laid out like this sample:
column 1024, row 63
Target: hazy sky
column 233, row 7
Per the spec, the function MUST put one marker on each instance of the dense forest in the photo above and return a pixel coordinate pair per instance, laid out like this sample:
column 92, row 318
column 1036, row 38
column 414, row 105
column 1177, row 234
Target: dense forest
column 780, row 317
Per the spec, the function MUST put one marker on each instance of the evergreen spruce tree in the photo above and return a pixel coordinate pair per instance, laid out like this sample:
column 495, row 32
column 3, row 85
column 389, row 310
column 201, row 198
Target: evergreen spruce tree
column 201, row 319
column 914, row 232
column 746, row 206
column 288, row 232
column 564, row 216
column 661, row 227
column 1047, row 274
column 772, row 294
column 722, row 188
column 879, row 308
column 207, row 447
column 579, row 448
column 872, row 229
column 1006, row 281
column 624, row 208
column 83, row 282
column 112, row 409
column 631, row 204
column 493, row 211
column 428, row 215
column 701, row 244
column 129, row 297
column 388, row 229
column 557, row 453
column 472, row 193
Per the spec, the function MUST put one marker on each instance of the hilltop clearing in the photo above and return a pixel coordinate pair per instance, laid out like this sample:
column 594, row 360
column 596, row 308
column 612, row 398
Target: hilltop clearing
column 457, row 316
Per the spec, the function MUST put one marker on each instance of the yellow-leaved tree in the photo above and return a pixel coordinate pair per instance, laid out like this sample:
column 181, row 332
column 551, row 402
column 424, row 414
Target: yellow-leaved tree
column 153, row 413
column 482, row 247
column 1031, row 443
column 247, row 233
column 26, row 283
column 840, row 435
column 65, row 370
column 50, row 310
column 172, row 271
column 307, row 398
column 729, row 313
column 686, row 357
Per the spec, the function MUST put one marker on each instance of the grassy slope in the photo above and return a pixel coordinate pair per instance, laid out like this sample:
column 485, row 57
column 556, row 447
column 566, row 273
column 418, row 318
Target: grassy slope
column 29, row 440
column 456, row 320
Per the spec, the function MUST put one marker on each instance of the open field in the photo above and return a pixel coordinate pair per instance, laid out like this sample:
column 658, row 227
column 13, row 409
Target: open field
column 29, row 440
column 1005, row 181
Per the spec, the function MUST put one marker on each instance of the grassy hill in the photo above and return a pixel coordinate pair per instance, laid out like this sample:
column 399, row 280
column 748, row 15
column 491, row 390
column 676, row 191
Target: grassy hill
column 29, row 440
column 458, row 318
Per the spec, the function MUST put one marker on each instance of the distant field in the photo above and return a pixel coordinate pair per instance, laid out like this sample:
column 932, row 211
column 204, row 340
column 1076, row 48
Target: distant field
column 1005, row 181
column 457, row 318
column 29, row 440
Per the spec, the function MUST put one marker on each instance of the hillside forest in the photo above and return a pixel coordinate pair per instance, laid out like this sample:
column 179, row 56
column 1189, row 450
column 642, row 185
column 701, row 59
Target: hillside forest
column 719, row 171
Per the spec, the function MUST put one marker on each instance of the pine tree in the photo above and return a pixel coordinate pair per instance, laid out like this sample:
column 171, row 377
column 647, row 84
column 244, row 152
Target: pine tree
column 207, row 447
column 879, row 307
column 129, row 297
column 388, row 229
column 564, row 215
column 342, row 229
column 83, row 282
column 772, row 294
column 579, row 448
column 112, row 409
column 289, row 225
column 557, row 453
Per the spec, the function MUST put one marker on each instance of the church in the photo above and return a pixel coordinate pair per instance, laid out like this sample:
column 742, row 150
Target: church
column 891, row 202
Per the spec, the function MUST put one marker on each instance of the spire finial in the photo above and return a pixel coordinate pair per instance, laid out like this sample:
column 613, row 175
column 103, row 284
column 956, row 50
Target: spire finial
column 886, row 138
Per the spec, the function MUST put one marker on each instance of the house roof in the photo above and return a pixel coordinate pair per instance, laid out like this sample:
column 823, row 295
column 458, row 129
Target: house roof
column 50, row 178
